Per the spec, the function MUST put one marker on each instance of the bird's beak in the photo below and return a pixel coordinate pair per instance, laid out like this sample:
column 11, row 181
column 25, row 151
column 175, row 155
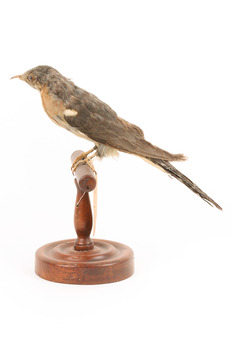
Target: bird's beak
column 17, row 76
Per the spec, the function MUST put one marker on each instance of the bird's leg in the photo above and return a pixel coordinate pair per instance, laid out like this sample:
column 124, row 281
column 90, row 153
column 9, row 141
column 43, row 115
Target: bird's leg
column 84, row 159
column 90, row 163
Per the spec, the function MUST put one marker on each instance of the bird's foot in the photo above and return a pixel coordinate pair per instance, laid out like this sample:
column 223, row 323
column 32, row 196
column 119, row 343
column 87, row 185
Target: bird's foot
column 84, row 159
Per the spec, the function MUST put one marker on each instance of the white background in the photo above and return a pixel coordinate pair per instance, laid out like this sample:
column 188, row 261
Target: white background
column 166, row 66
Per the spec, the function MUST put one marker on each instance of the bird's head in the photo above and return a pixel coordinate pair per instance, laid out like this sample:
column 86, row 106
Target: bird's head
column 39, row 76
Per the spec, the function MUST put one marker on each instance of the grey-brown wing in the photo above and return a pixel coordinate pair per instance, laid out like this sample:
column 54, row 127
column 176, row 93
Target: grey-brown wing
column 101, row 124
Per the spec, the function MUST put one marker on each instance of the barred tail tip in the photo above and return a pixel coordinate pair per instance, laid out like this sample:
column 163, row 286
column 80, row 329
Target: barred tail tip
column 168, row 168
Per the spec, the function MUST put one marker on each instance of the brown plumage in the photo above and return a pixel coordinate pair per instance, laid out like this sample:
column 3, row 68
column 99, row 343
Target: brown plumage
column 86, row 116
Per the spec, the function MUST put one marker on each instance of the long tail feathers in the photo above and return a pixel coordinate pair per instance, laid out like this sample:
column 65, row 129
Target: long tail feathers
column 171, row 170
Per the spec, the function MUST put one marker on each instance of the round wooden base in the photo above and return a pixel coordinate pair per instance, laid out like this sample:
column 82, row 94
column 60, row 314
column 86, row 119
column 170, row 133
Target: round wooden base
column 107, row 262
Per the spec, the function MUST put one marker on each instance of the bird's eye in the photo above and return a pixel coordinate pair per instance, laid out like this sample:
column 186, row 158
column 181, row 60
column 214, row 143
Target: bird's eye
column 30, row 78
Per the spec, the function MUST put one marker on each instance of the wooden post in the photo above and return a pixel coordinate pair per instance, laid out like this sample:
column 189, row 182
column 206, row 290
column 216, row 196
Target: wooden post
column 85, row 182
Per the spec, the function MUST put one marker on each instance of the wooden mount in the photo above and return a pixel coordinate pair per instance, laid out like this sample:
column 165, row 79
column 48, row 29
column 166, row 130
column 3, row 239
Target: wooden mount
column 107, row 262
column 84, row 261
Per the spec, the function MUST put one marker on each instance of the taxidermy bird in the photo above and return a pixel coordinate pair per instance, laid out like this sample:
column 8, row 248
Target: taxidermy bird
column 83, row 114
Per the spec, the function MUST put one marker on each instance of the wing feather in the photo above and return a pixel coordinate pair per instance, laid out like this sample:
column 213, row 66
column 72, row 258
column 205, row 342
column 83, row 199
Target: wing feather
column 102, row 125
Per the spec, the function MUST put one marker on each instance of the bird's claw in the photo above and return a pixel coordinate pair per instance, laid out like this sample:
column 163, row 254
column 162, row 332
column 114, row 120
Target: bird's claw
column 84, row 159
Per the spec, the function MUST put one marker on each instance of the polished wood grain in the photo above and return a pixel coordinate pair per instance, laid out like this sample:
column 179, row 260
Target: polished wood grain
column 107, row 262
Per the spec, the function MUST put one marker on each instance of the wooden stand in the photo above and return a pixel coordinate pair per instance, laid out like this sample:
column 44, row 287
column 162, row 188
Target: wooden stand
column 84, row 261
